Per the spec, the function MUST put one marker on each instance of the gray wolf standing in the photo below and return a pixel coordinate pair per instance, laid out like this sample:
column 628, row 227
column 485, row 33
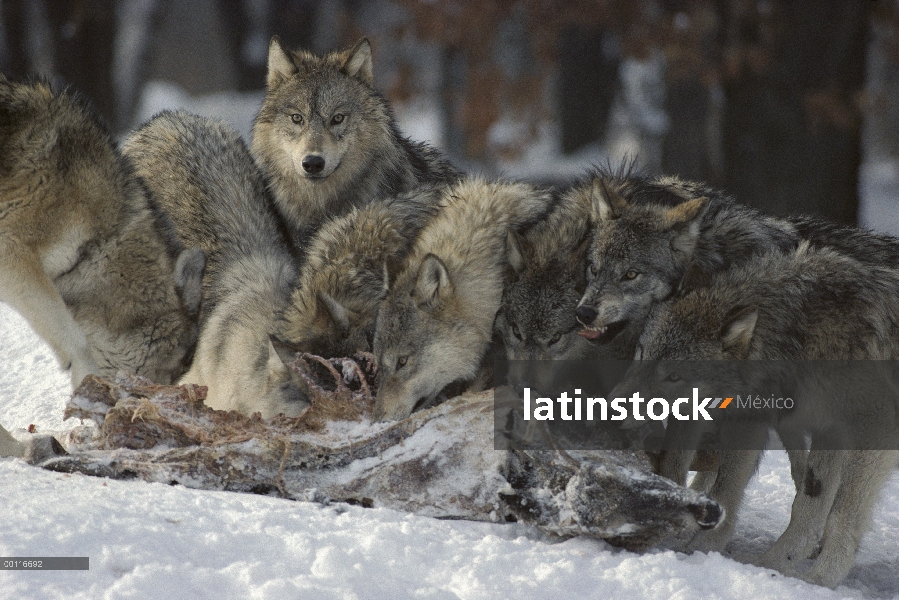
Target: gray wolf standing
column 809, row 304
column 333, row 307
column 204, row 176
column 327, row 141
column 88, row 258
column 437, row 321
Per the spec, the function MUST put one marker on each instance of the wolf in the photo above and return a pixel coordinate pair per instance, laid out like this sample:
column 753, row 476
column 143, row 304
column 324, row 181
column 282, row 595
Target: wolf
column 203, row 175
column 650, row 232
column 436, row 323
column 328, row 141
column 537, row 317
column 810, row 304
column 88, row 257
column 334, row 304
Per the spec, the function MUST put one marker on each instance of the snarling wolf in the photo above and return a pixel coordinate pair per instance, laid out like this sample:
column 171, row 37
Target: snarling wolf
column 537, row 319
column 88, row 257
column 333, row 307
column 649, row 232
column 811, row 304
column 436, row 323
column 204, row 176
column 328, row 141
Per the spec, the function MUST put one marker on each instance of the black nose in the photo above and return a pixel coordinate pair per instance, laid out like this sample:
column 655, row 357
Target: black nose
column 313, row 164
column 585, row 314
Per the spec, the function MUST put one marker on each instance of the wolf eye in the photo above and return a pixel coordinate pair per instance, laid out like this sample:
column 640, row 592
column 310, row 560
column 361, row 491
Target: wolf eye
column 297, row 118
column 515, row 331
column 592, row 270
column 337, row 119
column 401, row 362
column 673, row 377
column 630, row 275
column 555, row 338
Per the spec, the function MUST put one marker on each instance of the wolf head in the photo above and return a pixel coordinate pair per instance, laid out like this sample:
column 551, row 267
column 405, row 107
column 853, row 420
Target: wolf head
column 318, row 323
column 319, row 126
column 638, row 257
column 537, row 320
column 333, row 307
column 689, row 343
column 424, row 340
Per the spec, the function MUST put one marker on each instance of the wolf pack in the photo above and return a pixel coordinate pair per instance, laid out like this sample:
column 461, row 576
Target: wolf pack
column 187, row 256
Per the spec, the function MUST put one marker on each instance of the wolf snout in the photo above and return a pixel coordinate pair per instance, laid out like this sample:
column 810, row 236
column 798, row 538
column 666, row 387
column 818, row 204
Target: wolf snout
column 313, row 164
column 586, row 314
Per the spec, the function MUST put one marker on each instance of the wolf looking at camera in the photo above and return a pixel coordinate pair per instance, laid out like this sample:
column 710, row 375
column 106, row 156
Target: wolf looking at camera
column 327, row 141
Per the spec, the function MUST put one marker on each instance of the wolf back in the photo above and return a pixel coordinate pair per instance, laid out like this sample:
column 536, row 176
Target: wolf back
column 203, row 174
column 328, row 141
column 89, row 259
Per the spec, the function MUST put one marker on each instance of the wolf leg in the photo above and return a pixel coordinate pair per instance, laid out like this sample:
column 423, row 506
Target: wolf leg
column 735, row 469
column 864, row 474
column 25, row 286
column 9, row 446
column 811, row 507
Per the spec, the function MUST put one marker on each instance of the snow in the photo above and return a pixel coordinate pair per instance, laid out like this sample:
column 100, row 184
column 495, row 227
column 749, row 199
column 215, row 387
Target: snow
column 150, row 540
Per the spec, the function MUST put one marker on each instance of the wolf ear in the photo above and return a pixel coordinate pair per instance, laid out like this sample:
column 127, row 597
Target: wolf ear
column 335, row 310
column 685, row 220
column 189, row 270
column 433, row 283
column 607, row 205
column 689, row 213
column 738, row 329
column 517, row 248
column 358, row 64
column 286, row 352
column 280, row 66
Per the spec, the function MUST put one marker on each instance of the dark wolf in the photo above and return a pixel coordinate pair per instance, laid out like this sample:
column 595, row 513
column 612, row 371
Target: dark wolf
column 812, row 304
column 650, row 232
column 436, row 324
column 204, row 176
column 333, row 307
column 88, row 257
column 537, row 319
column 328, row 141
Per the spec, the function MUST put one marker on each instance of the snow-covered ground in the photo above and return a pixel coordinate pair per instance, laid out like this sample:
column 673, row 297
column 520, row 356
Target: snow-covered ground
column 156, row 541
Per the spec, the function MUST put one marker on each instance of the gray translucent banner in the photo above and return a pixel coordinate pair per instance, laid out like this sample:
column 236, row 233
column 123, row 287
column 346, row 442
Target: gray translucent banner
column 44, row 563
column 696, row 405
